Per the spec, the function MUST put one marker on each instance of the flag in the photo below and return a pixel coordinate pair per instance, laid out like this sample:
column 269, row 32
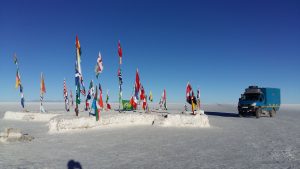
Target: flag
column 137, row 80
column 43, row 87
column 150, row 96
column 120, row 76
column 65, row 93
column 198, row 93
column 137, row 84
column 120, row 85
column 22, row 96
column 144, row 103
column 142, row 95
column 78, row 73
column 100, row 96
column 188, row 93
column 42, row 91
column 107, row 104
column 95, row 106
column 120, row 51
column 133, row 102
column 91, row 91
column 99, row 65
column 18, row 80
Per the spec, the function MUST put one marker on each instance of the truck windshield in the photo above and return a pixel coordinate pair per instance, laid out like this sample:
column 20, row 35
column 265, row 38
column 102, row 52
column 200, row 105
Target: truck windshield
column 252, row 96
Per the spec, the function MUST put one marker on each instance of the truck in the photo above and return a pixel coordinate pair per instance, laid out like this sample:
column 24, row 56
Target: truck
column 259, row 101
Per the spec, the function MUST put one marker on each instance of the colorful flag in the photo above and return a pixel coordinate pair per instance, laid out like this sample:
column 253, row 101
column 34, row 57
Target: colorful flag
column 120, row 51
column 95, row 106
column 107, row 104
column 42, row 91
column 188, row 93
column 100, row 97
column 78, row 75
column 133, row 102
column 18, row 81
column 137, row 85
column 150, row 96
column 99, row 65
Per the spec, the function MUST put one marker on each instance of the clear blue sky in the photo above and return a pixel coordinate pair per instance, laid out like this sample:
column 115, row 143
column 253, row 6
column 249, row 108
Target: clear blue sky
column 220, row 46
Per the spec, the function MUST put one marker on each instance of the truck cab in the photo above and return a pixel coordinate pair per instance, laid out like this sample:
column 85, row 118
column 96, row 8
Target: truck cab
column 259, row 101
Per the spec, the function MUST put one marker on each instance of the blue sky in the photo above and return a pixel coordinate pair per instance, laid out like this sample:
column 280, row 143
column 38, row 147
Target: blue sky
column 220, row 46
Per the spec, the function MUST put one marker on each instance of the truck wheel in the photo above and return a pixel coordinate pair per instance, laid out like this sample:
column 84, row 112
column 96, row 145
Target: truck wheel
column 272, row 113
column 258, row 113
column 241, row 114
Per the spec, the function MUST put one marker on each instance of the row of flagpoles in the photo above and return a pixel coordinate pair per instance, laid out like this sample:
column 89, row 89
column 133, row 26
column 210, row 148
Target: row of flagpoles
column 138, row 95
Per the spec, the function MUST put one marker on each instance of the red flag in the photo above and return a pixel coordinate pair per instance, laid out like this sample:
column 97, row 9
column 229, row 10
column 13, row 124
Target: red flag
column 43, row 87
column 120, row 51
column 100, row 102
column 137, row 81
column 133, row 102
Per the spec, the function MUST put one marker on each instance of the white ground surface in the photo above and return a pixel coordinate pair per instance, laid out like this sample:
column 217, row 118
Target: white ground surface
column 230, row 142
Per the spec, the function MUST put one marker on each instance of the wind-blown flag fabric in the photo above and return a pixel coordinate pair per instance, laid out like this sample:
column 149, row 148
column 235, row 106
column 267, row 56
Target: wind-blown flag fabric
column 42, row 91
column 151, row 96
column 120, row 52
column 99, row 65
column 18, row 81
column 78, row 73
column 100, row 96
column 65, row 93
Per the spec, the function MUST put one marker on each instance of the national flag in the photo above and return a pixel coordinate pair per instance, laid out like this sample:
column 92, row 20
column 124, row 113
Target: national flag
column 100, row 96
column 43, row 87
column 99, row 65
column 18, row 80
column 188, row 93
column 133, row 102
column 107, row 104
column 137, row 80
column 120, row 51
